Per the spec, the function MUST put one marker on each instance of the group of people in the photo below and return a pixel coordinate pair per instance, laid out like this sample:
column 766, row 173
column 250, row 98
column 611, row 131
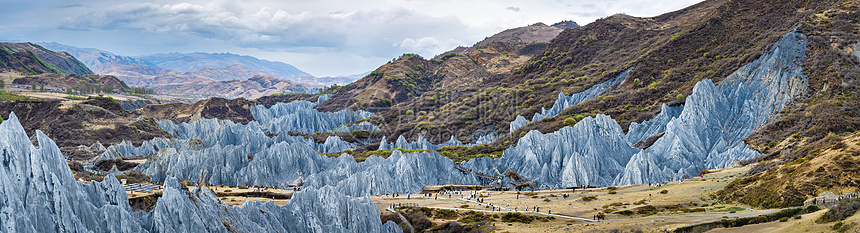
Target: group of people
column 824, row 200
column 394, row 206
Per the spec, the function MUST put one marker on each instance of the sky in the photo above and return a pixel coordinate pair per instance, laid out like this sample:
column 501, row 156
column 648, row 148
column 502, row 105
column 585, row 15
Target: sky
column 323, row 38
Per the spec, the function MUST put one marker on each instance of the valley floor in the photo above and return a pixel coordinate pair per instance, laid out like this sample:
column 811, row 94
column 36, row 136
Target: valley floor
column 682, row 204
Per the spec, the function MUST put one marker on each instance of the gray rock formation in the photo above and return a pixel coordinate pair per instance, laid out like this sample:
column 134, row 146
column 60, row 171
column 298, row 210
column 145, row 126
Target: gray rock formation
column 236, row 154
column 399, row 173
column 564, row 101
column 205, row 133
column 39, row 194
column 423, row 144
column 656, row 125
column 709, row 132
column 363, row 126
column 592, row 152
column 301, row 117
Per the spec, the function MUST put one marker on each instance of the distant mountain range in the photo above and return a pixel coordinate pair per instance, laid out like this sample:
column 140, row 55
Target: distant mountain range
column 252, row 88
column 201, row 74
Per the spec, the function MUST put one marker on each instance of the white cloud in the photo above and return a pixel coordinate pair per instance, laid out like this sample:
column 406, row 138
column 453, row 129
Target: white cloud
column 427, row 45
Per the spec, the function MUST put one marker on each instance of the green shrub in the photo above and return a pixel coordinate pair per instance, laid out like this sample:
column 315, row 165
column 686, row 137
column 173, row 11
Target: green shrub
column 446, row 214
column 837, row 226
column 625, row 212
column 517, row 217
column 646, row 210
column 841, row 211
column 783, row 219
column 473, row 216
column 612, row 192
column 664, row 191
column 679, row 96
column 570, row 121
column 589, row 198
column 72, row 97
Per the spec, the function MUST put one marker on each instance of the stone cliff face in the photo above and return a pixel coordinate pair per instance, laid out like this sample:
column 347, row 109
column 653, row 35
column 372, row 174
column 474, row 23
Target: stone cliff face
column 564, row 101
column 39, row 194
column 423, row 144
column 707, row 132
column 301, row 117
column 399, row 173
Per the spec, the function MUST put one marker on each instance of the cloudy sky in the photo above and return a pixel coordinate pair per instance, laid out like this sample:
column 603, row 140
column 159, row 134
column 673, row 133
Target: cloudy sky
column 324, row 38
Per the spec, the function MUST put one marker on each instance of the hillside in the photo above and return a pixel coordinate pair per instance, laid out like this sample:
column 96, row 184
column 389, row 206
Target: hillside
column 84, row 122
column 95, row 59
column 407, row 77
column 535, row 33
column 30, row 58
column 668, row 54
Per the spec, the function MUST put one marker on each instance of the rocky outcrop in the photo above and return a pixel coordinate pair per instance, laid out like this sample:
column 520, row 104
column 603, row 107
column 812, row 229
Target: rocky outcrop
column 423, row 144
column 655, row 126
column 301, row 117
column 363, row 126
column 312, row 210
column 592, row 152
column 399, row 173
column 709, row 132
column 564, row 101
column 39, row 194
column 223, row 152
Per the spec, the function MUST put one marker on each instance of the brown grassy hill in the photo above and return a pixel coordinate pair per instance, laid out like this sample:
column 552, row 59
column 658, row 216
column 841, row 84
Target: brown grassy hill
column 410, row 76
column 535, row 33
column 84, row 83
column 82, row 123
column 30, row 58
column 235, row 110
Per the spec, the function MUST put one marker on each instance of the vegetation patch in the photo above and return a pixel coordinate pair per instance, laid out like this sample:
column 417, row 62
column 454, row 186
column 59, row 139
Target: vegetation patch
column 841, row 211
column 517, row 217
